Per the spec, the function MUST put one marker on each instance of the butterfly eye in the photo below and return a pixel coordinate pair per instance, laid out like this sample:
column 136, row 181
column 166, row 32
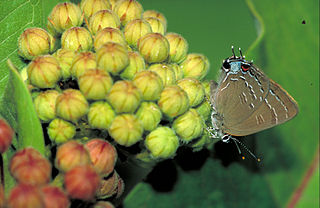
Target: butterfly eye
column 226, row 65
column 245, row 67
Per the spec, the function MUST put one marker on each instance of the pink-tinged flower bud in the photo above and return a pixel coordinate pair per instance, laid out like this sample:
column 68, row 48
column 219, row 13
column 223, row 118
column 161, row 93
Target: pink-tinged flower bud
column 124, row 97
column 135, row 29
column 65, row 58
column 25, row 196
column 136, row 64
column 70, row 155
column 34, row 42
column 90, row 7
column 149, row 83
column 82, row 182
column 156, row 24
column 100, row 115
column 173, row 101
column 204, row 109
column 103, row 19
column 178, row 47
column 103, row 204
column 45, row 105
column 154, row 47
column 156, row 14
column 108, row 187
column 28, row 166
column 77, row 39
column 149, row 115
column 189, row 125
column 6, row 135
column 44, row 71
column 112, row 57
column 177, row 71
column 165, row 72
column 71, row 105
column 194, row 90
column 108, row 34
column 95, row 84
column 128, row 10
column 126, row 129
column 54, row 197
column 82, row 62
column 64, row 16
column 162, row 143
column 60, row 131
column 103, row 156
column 195, row 65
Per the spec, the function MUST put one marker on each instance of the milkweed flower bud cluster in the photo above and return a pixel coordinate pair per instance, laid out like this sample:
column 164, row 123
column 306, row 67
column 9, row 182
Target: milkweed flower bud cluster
column 118, row 75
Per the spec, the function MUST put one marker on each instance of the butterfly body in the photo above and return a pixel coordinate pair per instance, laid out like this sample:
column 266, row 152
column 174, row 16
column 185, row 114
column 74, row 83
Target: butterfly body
column 246, row 101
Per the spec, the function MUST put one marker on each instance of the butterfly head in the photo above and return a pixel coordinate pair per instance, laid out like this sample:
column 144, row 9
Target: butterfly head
column 235, row 64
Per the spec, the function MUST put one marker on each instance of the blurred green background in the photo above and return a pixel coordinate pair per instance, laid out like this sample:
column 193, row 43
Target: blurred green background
column 287, row 51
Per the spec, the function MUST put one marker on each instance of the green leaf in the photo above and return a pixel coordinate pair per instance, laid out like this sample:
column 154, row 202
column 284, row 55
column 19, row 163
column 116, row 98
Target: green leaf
column 29, row 126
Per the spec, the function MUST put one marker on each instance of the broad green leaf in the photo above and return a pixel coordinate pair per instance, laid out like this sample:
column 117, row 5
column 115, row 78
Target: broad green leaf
column 29, row 127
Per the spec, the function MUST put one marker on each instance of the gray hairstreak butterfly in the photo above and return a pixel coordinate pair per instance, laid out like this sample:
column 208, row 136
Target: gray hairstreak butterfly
column 246, row 101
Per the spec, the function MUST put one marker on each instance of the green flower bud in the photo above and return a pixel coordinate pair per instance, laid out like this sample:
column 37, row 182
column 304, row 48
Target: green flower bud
column 126, row 129
column 194, row 90
column 100, row 115
column 201, row 142
column 196, row 66
column 45, row 105
column 162, row 143
column 90, row 7
column 34, row 42
column 82, row 62
column 149, row 115
column 65, row 58
column 61, row 131
column 206, row 86
column 112, row 57
column 76, row 39
column 71, row 105
column 135, row 29
column 177, row 71
column 95, row 84
column 156, row 24
column 149, row 83
column 166, row 73
column 44, row 71
column 189, row 125
column 173, row 101
column 124, row 97
column 204, row 109
column 108, row 34
column 178, row 47
column 136, row 64
column 64, row 16
column 154, row 47
column 128, row 10
column 103, row 19
column 156, row 14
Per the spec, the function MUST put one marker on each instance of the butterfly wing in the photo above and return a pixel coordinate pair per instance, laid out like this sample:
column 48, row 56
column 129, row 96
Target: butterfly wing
column 277, row 107
column 239, row 95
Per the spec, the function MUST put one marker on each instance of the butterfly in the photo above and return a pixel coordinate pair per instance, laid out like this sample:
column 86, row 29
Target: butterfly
column 245, row 101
